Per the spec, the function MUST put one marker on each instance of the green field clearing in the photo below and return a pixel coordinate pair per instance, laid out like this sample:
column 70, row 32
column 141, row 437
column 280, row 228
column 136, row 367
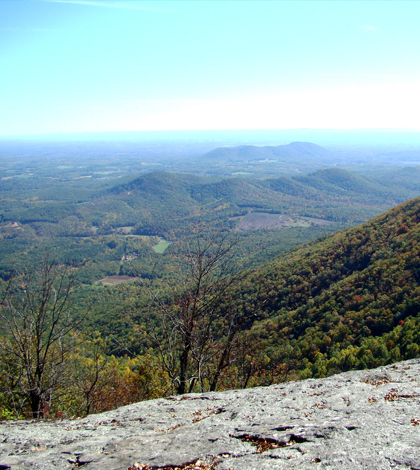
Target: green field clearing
column 161, row 246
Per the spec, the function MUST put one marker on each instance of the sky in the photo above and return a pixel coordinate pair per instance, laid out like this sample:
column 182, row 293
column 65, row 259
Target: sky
column 100, row 66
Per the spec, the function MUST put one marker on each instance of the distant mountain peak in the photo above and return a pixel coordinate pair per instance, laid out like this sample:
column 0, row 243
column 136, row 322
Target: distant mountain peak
column 302, row 150
column 306, row 146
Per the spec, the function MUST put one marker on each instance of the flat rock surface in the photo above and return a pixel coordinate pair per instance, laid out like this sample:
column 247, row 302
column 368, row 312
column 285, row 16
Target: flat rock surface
column 356, row 420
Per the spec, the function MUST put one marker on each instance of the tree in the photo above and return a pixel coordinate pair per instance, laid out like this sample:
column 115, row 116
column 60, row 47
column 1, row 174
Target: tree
column 194, row 328
column 36, row 324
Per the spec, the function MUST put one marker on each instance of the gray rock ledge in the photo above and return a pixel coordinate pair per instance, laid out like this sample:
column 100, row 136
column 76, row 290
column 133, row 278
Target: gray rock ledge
column 355, row 420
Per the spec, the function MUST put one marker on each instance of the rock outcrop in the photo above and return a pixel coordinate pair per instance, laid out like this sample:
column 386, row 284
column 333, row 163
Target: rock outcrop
column 355, row 420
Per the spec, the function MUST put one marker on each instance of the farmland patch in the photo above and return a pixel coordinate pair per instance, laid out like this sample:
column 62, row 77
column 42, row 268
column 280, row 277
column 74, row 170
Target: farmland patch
column 263, row 220
column 161, row 246
column 115, row 280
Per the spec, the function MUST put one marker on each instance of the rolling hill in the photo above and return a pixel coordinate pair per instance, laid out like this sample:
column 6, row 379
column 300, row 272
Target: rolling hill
column 172, row 205
column 159, row 200
column 332, row 194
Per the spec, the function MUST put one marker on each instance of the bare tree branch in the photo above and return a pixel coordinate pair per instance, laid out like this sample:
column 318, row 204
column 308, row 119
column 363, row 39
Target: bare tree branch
column 194, row 330
column 36, row 320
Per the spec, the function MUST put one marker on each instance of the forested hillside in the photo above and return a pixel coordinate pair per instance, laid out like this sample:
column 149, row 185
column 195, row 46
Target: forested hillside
column 167, row 203
column 349, row 301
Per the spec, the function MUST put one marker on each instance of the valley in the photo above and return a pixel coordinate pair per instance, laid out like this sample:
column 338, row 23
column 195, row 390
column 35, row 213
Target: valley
column 320, row 263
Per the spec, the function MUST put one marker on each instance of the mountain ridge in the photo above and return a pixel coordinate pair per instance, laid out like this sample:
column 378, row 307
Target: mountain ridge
column 348, row 301
column 302, row 150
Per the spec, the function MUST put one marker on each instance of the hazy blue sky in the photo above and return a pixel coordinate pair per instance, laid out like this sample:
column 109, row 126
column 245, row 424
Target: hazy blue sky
column 75, row 65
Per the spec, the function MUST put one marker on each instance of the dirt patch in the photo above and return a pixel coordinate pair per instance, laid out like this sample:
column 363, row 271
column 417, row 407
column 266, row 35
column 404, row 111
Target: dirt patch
column 263, row 220
column 115, row 280
column 124, row 230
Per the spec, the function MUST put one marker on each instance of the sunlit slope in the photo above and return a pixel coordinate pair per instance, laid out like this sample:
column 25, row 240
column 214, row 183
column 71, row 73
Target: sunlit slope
column 351, row 300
